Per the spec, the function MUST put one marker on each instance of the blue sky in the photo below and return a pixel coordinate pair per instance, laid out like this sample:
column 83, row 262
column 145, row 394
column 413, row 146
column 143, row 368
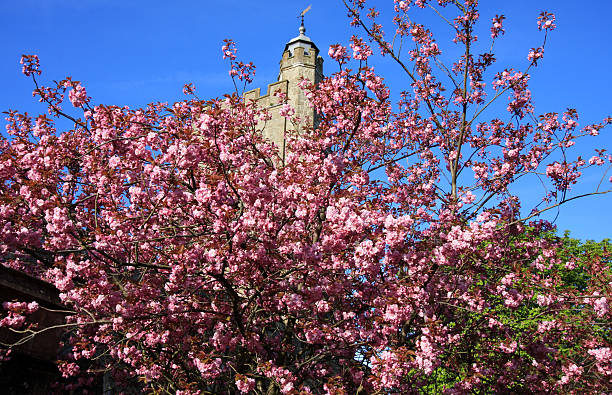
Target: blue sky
column 136, row 52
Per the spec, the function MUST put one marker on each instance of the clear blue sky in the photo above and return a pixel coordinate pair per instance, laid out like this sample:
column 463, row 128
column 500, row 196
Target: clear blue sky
column 133, row 52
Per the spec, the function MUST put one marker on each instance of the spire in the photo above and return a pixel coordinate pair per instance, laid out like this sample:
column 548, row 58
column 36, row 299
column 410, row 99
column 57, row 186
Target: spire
column 302, row 40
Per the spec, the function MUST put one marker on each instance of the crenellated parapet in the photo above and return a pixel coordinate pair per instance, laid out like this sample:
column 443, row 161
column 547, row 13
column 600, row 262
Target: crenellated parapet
column 269, row 99
column 300, row 56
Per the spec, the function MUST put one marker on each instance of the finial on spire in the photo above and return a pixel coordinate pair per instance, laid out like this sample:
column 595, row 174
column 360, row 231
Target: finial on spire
column 302, row 41
column 302, row 28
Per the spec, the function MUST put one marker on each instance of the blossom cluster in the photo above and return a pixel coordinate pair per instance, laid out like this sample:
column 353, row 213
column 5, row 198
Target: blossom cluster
column 384, row 251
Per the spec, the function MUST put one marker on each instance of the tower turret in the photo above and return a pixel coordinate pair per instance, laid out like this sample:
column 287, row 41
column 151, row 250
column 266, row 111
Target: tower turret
column 300, row 60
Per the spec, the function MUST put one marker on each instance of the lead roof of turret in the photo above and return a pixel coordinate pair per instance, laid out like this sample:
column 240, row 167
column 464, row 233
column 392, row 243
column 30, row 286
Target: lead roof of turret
column 301, row 41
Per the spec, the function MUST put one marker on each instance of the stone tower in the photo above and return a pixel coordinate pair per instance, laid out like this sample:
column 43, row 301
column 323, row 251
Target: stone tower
column 300, row 60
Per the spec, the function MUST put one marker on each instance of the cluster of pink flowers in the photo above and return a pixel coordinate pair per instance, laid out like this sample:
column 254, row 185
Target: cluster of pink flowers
column 199, row 259
column 229, row 49
column 535, row 54
column 497, row 27
column 563, row 174
column 31, row 65
column 17, row 313
column 78, row 96
column 603, row 360
column 338, row 53
column 244, row 71
column 244, row 384
column 361, row 51
column 546, row 21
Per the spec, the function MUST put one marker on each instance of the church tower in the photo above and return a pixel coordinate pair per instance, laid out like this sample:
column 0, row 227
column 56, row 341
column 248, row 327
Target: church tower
column 300, row 60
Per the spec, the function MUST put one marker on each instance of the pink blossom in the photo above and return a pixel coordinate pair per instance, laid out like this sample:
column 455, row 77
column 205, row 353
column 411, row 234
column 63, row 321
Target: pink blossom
column 497, row 26
column 337, row 52
column 601, row 306
column 194, row 253
column 78, row 95
column 31, row 65
column 286, row 111
column 245, row 384
column 546, row 21
column 535, row 54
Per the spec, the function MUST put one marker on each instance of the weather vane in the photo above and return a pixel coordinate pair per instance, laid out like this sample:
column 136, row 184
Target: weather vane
column 304, row 13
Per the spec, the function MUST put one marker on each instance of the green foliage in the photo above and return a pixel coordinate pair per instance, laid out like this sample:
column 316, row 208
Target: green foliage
column 581, row 253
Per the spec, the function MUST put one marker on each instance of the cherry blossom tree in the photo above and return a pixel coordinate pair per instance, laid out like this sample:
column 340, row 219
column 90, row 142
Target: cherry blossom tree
column 384, row 254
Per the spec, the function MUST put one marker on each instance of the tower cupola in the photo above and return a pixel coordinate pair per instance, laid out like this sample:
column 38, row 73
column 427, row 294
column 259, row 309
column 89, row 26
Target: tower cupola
column 301, row 41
